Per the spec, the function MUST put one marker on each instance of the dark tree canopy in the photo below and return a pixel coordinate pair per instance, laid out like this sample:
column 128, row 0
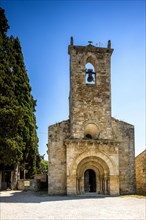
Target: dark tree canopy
column 18, row 137
column 3, row 22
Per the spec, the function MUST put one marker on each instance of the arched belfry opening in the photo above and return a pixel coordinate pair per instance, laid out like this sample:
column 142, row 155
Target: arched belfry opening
column 90, row 77
column 89, row 181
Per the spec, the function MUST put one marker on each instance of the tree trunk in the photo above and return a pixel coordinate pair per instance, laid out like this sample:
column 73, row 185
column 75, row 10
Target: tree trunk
column 14, row 177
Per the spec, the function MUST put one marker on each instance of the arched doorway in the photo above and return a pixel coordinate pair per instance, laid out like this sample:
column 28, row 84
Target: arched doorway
column 93, row 175
column 89, row 181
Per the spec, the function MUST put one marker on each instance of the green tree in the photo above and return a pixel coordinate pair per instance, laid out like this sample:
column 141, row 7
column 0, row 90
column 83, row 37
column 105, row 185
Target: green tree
column 43, row 165
column 3, row 22
column 18, row 137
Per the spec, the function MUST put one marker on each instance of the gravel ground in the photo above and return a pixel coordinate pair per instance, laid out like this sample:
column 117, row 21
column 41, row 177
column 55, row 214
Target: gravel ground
column 20, row 205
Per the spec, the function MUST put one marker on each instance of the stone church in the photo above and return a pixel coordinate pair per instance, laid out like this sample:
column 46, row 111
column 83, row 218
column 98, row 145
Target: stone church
column 91, row 152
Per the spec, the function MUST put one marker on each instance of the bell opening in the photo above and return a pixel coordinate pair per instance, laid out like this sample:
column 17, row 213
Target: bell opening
column 90, row 74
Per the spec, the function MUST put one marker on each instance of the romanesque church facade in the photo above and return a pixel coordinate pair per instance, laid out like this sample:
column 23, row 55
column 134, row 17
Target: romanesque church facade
column 91, row 152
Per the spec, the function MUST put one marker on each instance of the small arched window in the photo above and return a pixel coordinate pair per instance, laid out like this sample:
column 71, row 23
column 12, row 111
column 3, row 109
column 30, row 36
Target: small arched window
column 90, row 74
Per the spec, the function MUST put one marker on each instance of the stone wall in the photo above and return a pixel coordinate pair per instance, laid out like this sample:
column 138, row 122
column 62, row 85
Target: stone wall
column 124, row 133
column 90, row 103
column 57, row 158
column 28, row 184
column 141, row 173
column 41, row 176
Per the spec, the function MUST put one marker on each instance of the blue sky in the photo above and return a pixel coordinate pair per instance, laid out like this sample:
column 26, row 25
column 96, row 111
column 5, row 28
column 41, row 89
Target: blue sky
column 44, row 28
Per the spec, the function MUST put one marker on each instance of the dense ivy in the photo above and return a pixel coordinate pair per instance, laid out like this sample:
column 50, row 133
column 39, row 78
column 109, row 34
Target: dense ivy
column 18, row 137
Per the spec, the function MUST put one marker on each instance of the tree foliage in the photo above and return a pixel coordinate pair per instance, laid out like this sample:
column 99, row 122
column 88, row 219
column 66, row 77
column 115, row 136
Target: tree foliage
column 43, row 168
column 18, row 137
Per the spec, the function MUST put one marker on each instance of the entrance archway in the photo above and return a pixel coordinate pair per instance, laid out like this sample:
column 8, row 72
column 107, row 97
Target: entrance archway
column 89, row 181
column 93, row 175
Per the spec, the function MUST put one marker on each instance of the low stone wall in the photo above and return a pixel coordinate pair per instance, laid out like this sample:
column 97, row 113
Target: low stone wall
column 30, row 184
column 41, row 177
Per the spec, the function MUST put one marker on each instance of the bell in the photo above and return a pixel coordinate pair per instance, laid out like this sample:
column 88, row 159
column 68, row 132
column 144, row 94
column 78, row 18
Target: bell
column 90, row 77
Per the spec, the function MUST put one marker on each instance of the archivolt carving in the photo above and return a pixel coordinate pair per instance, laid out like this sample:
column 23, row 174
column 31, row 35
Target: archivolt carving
column 94, row 162
column 100, row 158
column 89, row 165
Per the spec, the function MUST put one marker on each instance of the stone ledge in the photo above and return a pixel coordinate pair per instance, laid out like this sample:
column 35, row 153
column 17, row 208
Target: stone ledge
column 92, row 141
column 90, row 48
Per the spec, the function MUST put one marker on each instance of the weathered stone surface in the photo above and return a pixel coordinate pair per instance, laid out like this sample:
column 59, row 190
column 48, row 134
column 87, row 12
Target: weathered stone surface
column 57, row 158
column 29, row 184
column 91, row 152
column 141, row 173
column 42, row 177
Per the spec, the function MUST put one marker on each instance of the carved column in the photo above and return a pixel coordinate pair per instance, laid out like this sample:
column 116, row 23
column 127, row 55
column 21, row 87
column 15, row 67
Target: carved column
column 106, row 184
column 98, row 184
column 78, row 185
column 103, row 186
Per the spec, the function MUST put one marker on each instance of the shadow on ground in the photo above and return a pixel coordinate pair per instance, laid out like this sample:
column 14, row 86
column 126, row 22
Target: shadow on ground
column 41, row 196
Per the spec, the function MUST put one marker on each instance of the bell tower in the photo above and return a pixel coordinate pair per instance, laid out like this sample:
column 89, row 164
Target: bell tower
column 91, row 151
column 90, row 91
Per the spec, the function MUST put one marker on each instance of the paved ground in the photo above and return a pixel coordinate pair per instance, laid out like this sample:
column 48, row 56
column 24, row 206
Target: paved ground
column 38, row 206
